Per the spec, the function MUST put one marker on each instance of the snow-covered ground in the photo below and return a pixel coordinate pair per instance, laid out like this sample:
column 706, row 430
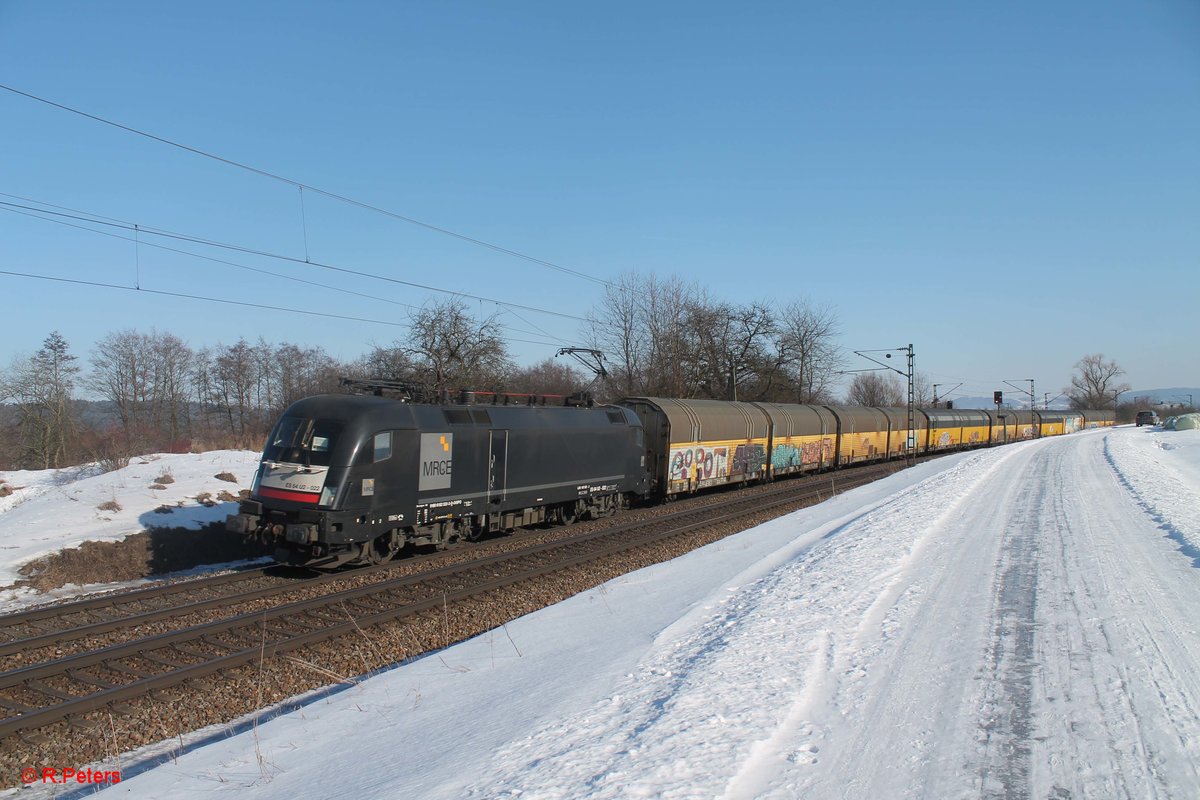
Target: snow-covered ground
column 51, row 510
column 1017, row 622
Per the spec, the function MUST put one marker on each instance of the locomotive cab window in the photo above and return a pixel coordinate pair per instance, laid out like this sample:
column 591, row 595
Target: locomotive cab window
column 383, row 445
column 296, row 440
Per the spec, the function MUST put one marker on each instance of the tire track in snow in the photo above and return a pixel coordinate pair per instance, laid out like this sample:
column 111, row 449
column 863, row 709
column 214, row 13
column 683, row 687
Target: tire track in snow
column 872, row 715
column 1007, row 723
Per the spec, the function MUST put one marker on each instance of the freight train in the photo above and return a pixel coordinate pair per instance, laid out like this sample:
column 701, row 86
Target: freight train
column 356, row 478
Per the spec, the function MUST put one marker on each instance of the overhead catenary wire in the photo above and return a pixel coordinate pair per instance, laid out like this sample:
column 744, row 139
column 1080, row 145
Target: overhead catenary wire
column 226, row 301
column 144, row 290
column 97, row 220
column 549, row 338
column 316, row 190
column 83, row 216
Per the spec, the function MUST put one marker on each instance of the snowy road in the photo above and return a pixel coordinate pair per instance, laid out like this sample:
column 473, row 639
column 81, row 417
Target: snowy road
column 1012, row 623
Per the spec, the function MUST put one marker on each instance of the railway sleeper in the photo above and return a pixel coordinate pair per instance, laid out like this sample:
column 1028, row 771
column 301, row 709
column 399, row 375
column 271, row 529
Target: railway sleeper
column 220, row 645
column 14, row 706
column 266, row 636
column 49, row 691
column 325, row 616
column 116, row 666
column 295, row 624
column 83, row 723
column 313, row 618
column 156, row 659
column 83, row 677
column 187, row 651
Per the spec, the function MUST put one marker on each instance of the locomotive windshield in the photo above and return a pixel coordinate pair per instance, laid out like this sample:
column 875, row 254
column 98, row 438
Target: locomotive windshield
column 296, row 440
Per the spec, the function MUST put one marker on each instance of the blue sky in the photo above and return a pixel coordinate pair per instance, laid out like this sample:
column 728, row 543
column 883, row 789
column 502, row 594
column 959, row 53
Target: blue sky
column 1006, row 186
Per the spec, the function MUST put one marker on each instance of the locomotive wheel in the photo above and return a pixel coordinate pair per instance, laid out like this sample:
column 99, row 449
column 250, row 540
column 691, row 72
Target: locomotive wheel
column 603, row 507
column 569, row 513
column 372, row 553
column 381, row 549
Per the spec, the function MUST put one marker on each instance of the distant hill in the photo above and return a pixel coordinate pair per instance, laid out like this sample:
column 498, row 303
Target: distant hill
column 1163, row 397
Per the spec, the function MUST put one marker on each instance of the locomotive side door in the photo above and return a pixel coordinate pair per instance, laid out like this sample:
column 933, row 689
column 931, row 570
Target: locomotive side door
column 497, row 466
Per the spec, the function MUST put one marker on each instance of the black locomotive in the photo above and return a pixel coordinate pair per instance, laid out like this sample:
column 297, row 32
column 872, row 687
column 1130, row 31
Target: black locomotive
column 353, row 479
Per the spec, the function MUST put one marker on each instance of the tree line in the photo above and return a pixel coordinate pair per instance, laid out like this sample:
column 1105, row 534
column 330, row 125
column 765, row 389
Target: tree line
column 660, row 337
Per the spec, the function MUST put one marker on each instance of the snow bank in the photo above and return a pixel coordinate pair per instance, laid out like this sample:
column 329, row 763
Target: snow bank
column 1161, row 469
column 52, row 510
column 1187, row 422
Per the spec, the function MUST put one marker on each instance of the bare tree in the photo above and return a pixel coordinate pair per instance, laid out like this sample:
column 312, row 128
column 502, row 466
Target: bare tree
column 388, row 363
column 172, row 360
column 234, row 380
column 548, row 377
column 731, row 349
column 666, row 336
column 452, row 350
column 42, row 386
column 616, row 330
column 145, row 377
column 807, row 351
column 200, row 380
column 922, row 391
column 265, row 372
column 243, row 388
column 1094, row 384
column 121, row 374
column 667, row 314
column 650, row 330
column 300, row 372
column 876, row 389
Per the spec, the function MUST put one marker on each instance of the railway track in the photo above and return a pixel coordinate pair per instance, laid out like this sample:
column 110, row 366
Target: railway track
column 71, row 686
column 56, row 626
column 20, row 627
